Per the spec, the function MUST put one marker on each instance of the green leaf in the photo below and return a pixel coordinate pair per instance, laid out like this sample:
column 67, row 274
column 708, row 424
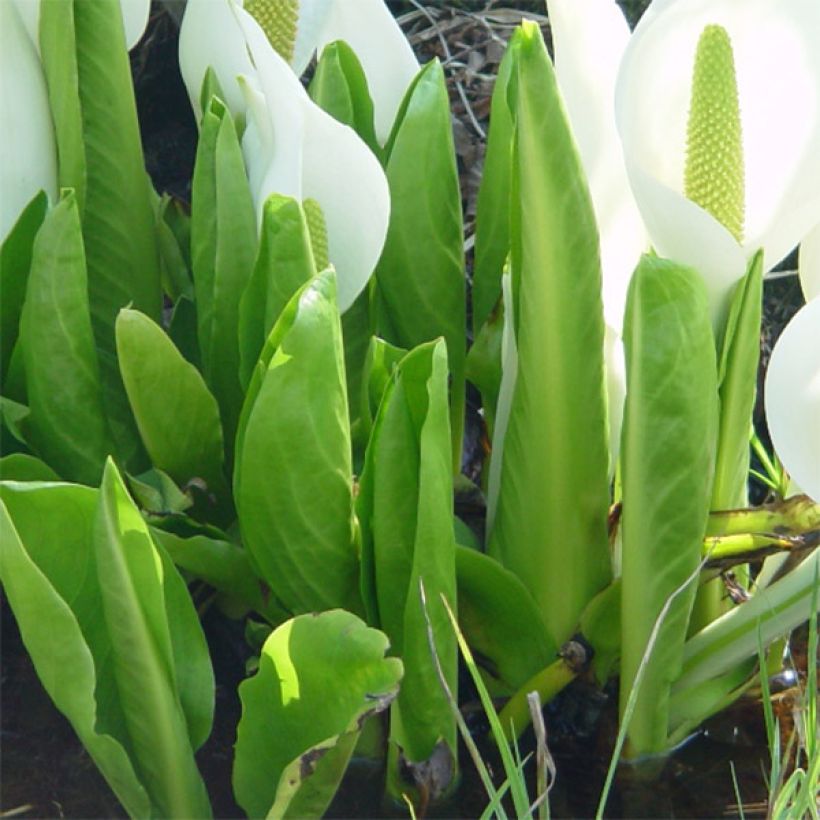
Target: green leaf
column 406, row 515
column 114, row 638
column 320, row 677
column 223, row 565
column 98, row 138
column 156, row 492
column 284, row 263
column 357, row 333
column 23, row 467
column 58, row 631
column 223, row 246
column 293, row 480
column 601, row 627
column 66, row 425
column 737, row 381
column 15, row 261
column 379, row 364
column 177, row 416
column 183, row 330
column 484, row 365
column 500, row 621
column 492, row 230
column 667, row 456
column 550, row 520
column 339, row 87
column 421, row 272
column 160, row 661
column 174, row 236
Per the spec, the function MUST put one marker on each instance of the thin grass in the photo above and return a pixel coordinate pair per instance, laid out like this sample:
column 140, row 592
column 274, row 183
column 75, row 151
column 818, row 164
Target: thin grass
column 796, row 796
column 515, row 782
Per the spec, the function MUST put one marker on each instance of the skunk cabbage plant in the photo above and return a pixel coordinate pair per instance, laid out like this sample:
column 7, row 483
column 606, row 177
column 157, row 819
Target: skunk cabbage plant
column 291, row 147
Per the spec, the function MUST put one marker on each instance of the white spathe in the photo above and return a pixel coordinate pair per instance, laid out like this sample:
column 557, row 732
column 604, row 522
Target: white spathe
column 776, row 46
column 134, row 17
column 792, row 398
column 290, row 145
column 28, row 154
column 369, row 28
column 809, row 264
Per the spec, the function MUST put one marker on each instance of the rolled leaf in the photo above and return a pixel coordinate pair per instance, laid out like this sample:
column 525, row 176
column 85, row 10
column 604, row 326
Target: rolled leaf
column 550, row 520
column 15, row 261
column 405, row 511
column 667, row 456
column 320, row 677
column 284, row 263
column 223, row 247
column 421, row 283
column 67, row 426
column 160, row 665
column 339, row 86
column 100, row 155
column 492, row 232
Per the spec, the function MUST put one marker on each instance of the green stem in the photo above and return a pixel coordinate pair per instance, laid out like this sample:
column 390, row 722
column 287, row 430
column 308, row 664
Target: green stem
column 547, row 684
column 794, row 516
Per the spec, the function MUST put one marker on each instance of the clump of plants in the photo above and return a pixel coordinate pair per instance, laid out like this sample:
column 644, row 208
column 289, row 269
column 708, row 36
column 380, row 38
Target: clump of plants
column 266, row 393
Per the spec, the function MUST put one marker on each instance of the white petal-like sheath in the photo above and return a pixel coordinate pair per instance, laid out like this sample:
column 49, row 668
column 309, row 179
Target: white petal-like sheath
column 344, row 176
column 590, row 37
column 792, row 398
column 325, row 161
column 387, row 59
column 313, row 16
column 28, row 155
column 778, row 74
column 809, row 264
column 135, row 19
column 210, row 35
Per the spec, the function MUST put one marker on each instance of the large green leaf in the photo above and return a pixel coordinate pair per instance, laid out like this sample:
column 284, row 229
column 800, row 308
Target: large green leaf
column 667, row 456
column 160, row 660
column 177, row 416
column 100, row 156
column 223, row 247
column 71, row 610
column 492, row 230
column 421, row 272
column 66, row 425
column 15, row 261
column 339, row 86
column 500, row 621
column 406, row 514
column 284, row 263
column 56, row 636
column 293, row 480
column 550, row 520
column 320, row 677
